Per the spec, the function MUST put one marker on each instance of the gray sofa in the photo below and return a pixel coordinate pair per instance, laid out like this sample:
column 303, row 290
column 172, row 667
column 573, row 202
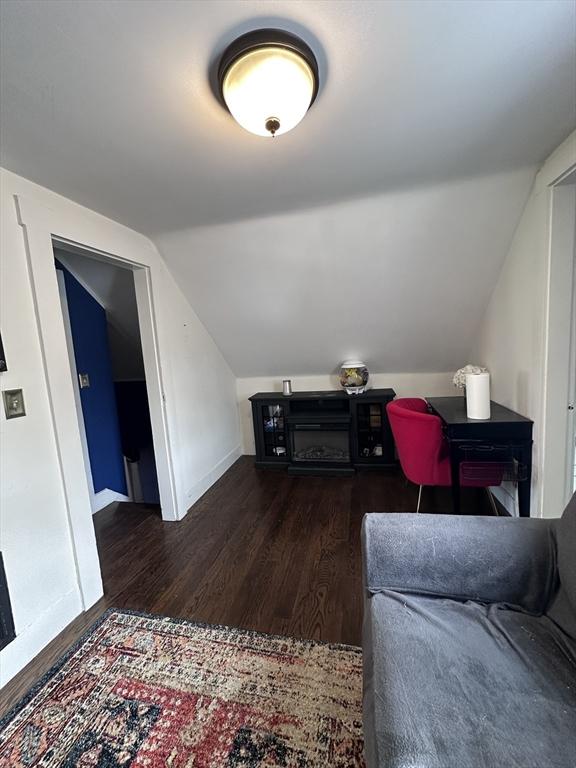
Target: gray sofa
column 469, row 641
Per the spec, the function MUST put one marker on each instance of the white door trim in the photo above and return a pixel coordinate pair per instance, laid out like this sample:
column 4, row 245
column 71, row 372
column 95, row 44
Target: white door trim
column 557, row 376
column 571, row 446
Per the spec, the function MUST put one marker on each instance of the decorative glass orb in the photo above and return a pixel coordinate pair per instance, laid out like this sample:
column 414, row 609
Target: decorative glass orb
column 354, row 376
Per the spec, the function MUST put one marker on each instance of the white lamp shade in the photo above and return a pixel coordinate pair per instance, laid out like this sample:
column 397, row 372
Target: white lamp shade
column 268, row 83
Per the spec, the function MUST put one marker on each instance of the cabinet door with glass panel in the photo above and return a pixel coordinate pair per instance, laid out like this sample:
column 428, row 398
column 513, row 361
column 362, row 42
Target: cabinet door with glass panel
column 273, row 439
column 372, row 437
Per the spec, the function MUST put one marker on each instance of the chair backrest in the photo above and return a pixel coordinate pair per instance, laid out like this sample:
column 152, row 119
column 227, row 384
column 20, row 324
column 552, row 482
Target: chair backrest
column 419, row 441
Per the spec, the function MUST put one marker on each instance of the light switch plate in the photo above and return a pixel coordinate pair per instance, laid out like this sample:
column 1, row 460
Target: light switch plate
column 13, row 403
column 84, row 380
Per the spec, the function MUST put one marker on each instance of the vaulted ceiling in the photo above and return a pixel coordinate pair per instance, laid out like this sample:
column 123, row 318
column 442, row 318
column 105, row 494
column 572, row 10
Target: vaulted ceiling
column 432, row 116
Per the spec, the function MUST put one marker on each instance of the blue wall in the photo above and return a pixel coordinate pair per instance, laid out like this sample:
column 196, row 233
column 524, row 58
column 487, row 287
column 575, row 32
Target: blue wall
column 90, row 340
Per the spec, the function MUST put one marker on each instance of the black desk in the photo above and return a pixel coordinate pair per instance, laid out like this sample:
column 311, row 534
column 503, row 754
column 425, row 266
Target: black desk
column 504, row 428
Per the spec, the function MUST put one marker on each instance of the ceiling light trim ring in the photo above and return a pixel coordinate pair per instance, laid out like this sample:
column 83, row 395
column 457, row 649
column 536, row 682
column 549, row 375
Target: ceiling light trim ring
column 258, row 39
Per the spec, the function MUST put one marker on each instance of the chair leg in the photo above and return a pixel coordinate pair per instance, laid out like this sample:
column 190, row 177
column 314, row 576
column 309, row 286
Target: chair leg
column 492, row 502
column 419, row 497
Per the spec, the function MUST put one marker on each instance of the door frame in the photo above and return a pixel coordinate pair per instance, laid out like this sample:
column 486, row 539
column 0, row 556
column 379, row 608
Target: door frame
column 44, row 227
column 571, row 437
column 559, row 344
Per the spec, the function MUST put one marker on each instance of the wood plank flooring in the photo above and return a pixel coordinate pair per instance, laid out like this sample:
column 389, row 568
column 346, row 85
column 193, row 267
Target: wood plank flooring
column 260, row 550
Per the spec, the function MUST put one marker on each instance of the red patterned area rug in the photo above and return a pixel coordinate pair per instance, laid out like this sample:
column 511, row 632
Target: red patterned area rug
column 147, row 691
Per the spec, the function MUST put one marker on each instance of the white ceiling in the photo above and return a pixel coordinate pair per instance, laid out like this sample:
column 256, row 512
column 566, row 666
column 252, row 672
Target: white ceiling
column 108, row 102
column 377, row 228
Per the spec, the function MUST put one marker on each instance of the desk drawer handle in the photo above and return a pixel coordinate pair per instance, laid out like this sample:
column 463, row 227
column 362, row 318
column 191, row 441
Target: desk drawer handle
column 485, row 448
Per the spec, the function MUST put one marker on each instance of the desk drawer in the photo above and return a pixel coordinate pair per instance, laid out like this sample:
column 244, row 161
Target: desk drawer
column 491, row 462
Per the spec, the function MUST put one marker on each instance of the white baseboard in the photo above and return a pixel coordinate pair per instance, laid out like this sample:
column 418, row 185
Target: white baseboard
column 105, row 497
column 33, row 638
column 200, row 488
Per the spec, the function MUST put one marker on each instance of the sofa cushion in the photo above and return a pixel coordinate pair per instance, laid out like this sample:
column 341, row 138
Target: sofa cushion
column 453, row 684
column 563, row 609
column 489, row 559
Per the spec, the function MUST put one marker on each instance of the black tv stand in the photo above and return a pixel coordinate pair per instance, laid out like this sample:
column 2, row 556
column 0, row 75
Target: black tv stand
column 328, row 433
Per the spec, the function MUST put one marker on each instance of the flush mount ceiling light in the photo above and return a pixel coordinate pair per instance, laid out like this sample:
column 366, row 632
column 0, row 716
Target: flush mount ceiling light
column 268, row 79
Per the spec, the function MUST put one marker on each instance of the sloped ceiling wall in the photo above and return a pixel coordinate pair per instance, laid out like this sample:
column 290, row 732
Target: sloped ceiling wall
column 400, row 280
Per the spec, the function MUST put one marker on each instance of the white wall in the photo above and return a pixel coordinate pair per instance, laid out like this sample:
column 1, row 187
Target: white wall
column 34, row 532
column 404, row 384
column 200, row 406
column 399, row 279
column 511, row 338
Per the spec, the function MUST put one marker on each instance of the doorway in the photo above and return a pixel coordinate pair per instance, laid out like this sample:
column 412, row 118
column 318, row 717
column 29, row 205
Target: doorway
column 100, row 314
column 44, row 227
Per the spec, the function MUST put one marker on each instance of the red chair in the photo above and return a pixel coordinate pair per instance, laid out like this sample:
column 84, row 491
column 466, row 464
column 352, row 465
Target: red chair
column 423, row 451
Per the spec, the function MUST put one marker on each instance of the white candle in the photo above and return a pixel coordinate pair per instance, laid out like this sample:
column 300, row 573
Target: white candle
column 478, row 395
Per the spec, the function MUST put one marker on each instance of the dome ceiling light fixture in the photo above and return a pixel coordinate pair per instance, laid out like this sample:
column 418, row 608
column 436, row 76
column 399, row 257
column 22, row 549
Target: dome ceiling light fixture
column 268, row 79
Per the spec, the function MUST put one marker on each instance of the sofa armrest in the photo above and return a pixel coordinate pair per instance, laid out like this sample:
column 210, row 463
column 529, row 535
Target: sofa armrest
column 488, row 559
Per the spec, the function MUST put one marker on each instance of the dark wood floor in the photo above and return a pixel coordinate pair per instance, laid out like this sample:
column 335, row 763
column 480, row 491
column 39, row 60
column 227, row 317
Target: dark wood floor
column 260, row 550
